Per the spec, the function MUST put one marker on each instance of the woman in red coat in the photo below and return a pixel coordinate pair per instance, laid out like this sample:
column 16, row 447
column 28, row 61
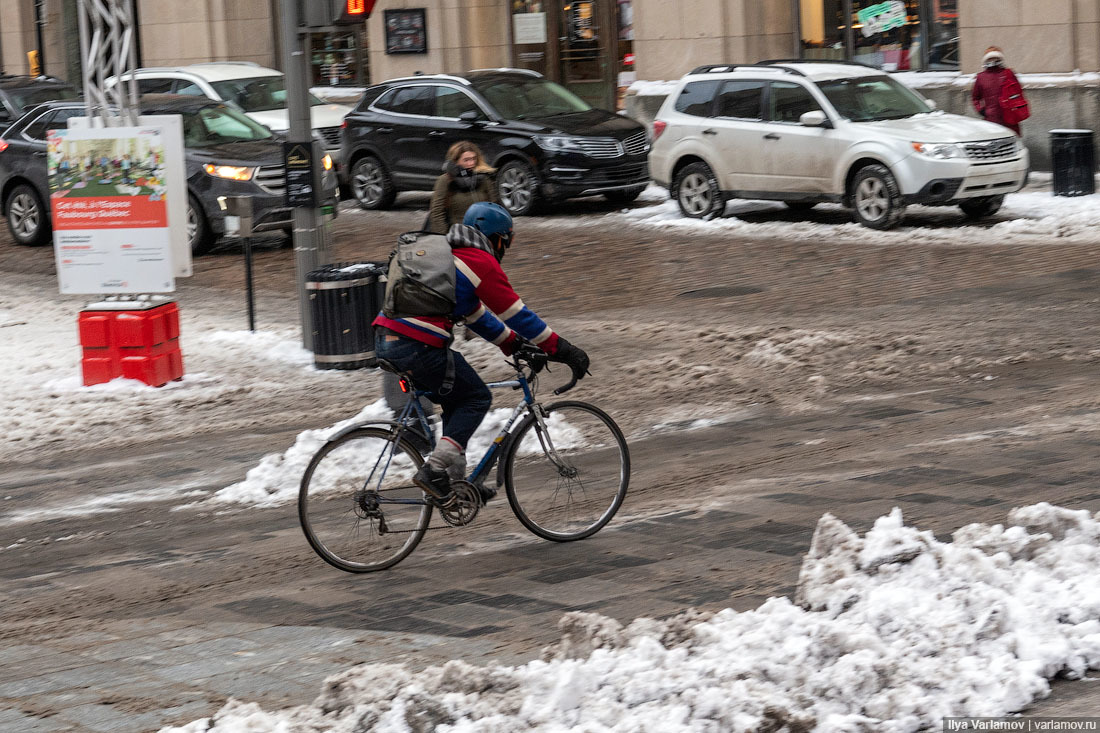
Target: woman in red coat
column 986, row 94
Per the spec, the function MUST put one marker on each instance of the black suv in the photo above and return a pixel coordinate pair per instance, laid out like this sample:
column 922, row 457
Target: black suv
column 227, row 154
column 19, row 93
column 545, row 142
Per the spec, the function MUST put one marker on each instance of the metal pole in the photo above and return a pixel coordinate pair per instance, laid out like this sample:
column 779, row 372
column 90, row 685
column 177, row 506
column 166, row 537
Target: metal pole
column 248, row 283
column 301, row 131
column 39, row 21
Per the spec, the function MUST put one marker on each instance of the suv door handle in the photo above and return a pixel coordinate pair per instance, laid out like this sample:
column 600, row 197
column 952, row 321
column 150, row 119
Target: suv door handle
column 771, row 136
column 709, row 131
column 383, row 130
column 437, row 133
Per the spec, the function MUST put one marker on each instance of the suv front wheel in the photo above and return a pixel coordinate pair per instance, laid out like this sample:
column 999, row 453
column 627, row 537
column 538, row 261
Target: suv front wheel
column 28, row 219
column 697, row 192
column 371, row 184
column 876, row 198
column 516, row 187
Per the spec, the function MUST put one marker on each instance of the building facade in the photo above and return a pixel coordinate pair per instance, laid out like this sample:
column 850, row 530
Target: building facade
column 595, row 47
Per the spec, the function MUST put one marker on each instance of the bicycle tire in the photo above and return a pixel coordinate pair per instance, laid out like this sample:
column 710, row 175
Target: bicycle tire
column 594, row 449
column 340, row 522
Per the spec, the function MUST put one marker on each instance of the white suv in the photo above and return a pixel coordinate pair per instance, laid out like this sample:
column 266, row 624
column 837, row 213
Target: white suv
column 257, row 91
column 807, row 132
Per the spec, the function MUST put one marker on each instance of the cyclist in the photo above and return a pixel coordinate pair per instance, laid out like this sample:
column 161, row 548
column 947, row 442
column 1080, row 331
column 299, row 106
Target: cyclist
column 492, row 310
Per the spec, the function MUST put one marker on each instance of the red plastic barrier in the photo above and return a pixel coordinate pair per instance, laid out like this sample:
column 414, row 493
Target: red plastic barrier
column 140, row 342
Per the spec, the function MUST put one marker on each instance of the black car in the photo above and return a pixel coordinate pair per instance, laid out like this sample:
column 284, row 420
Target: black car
column 19, row 93
column 227, row 154
column 545, row 142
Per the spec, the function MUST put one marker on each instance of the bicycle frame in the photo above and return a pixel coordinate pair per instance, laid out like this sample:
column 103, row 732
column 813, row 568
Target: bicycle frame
column 414, row 414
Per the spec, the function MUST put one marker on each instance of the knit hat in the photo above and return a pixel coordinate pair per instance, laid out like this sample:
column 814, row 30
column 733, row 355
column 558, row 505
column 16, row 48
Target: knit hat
column 992, row 53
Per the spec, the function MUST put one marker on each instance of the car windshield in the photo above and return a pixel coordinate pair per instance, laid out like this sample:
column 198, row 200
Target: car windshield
column 868, row 98
column 24, row 99
column 259, row 94
column 220, row 124
column 529, row 98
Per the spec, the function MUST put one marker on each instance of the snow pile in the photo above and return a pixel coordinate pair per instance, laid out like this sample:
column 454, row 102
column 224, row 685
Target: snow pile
column 275, row 480
column 895, row 631
column 1025, row 217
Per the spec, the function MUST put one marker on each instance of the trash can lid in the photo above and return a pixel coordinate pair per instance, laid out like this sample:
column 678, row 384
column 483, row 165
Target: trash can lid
column 1071, row 132
column 346, row 271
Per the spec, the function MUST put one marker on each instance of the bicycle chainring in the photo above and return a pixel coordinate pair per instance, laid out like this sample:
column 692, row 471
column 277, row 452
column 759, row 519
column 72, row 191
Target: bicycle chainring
column 464, row 508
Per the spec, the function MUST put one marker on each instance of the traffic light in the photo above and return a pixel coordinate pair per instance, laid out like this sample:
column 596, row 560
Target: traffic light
column 322, row 13
column 351, row 12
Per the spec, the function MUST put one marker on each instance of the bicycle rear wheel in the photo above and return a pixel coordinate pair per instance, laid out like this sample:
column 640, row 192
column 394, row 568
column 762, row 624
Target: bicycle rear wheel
column 565, row 482
column 345, row 502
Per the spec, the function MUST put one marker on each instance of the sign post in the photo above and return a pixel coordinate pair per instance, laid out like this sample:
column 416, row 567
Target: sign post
column 302, row 155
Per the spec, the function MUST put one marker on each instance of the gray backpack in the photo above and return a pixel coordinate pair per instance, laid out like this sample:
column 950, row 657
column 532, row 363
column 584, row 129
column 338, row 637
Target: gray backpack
column 421, row 277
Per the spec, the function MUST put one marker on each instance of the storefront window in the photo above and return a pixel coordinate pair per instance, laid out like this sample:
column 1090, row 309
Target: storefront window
column 338, row 59
column 529, row 34
column 894, row 35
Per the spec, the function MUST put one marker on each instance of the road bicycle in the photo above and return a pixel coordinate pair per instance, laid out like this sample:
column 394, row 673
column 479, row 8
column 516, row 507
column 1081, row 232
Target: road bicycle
column 565, row 467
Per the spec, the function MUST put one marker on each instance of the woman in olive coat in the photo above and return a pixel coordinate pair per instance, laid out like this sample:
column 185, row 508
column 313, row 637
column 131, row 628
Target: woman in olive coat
column 467, row 179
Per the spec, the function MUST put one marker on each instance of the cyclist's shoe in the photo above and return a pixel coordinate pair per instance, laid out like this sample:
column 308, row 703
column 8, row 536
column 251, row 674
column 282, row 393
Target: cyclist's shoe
column 437, row 483
column 485, row 492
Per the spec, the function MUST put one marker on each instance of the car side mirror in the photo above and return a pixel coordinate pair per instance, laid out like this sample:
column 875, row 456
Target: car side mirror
column 931, row 104
column 816, row 118
column 471, row 117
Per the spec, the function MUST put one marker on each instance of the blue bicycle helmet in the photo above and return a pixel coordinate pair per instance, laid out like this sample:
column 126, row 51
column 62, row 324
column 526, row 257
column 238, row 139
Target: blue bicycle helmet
column 494, row 221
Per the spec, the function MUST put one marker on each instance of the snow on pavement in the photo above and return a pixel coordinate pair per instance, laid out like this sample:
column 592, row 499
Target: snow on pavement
column 889, row 632
column 1026, row 217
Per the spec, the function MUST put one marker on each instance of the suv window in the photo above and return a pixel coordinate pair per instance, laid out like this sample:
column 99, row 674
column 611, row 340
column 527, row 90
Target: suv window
column 741, row 99
column 154, row 86
column 697, row 98
column 52, row 120
column 451, row 102
column 188, row 87
column 417, row 100
column 790, row 101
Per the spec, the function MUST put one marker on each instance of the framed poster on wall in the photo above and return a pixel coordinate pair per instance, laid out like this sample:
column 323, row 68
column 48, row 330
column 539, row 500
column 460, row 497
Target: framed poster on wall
column 406, row 31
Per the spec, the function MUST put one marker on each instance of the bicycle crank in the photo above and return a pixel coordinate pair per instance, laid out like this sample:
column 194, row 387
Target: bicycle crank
column 463, row 509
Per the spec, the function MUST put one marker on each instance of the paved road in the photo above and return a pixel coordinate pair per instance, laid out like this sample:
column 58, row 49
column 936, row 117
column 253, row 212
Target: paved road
column 129, row 621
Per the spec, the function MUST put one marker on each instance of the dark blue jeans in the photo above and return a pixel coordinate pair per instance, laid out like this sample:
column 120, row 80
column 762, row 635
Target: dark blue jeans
column 465, row 406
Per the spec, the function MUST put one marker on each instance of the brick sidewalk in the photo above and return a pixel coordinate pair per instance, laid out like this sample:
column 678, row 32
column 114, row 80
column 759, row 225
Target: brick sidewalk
column 493, row 593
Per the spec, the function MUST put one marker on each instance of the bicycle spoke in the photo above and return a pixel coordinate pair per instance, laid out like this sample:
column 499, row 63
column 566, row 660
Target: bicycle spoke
column 357, row 504
column 567, row 483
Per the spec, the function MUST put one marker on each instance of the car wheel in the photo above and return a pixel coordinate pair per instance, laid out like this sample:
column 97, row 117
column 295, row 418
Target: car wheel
column 199, row 234
column 371, row 184
column 517, row 187
column 981, row 207
column 626, row 196
column 28, row 219
column 876, row 199
column 697, row 192
column 800, row 205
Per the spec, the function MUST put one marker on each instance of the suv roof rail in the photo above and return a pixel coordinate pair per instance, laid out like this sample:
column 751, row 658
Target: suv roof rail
column 529, row 72
column 426, row 77
column 818, row 61
column 724, row 68
column 219, row 63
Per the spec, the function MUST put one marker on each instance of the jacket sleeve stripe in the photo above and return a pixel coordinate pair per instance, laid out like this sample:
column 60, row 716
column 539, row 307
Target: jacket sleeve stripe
column 542, row 336
column 512, row 310
column 468, row 272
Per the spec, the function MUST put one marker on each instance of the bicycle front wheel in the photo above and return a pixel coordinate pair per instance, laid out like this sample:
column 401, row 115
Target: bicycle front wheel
column 358, row 505
column 567, row 476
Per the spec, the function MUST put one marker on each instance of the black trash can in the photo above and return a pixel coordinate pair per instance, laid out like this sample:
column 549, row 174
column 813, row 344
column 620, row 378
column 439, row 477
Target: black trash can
column 344, row 299
column 1074, row 162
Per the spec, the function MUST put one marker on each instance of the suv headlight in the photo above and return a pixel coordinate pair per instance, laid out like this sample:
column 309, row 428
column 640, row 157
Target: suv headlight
column 558, row 143
column 940, row 151
column 232, row 172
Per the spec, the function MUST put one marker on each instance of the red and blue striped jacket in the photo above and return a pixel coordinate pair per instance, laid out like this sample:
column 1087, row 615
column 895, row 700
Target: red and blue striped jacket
column 484, row 298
